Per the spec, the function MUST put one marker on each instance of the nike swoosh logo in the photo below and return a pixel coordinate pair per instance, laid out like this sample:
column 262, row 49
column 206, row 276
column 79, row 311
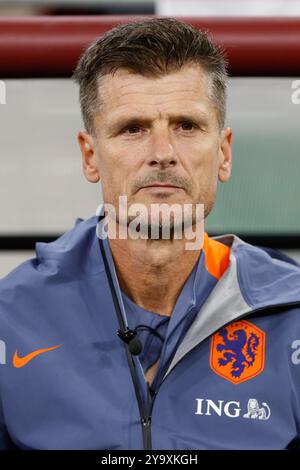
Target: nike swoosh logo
column 22, row 361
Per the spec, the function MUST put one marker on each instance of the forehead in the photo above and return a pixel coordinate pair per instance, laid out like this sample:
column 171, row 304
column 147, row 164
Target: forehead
column 126, row 90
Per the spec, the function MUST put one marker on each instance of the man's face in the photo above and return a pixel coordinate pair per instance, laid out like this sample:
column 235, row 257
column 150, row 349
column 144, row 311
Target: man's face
column 155, row 131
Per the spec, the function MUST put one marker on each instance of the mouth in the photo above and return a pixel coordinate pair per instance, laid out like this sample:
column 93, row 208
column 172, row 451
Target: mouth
column 161, row 188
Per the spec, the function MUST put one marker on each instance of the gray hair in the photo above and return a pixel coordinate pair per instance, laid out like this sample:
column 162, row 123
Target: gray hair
column 151, row 47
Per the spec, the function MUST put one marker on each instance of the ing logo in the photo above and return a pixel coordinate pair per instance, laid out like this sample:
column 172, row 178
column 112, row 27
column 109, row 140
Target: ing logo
column 238, row 351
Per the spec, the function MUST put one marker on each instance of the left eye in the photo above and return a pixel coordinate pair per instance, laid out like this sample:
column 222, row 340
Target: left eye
column 187, row 125
column 131, row 128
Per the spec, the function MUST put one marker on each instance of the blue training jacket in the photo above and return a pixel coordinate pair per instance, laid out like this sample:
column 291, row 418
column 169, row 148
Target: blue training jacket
column 67, row 381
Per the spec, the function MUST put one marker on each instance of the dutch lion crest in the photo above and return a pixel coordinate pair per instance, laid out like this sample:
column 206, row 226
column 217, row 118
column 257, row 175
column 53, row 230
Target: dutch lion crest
column 237, row 352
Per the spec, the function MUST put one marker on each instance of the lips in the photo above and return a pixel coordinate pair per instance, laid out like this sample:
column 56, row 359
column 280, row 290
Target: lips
column 161, row 189
column 161, row 185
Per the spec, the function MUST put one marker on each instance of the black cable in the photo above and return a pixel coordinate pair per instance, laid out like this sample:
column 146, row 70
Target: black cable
column 146, row 327
column 125, row 331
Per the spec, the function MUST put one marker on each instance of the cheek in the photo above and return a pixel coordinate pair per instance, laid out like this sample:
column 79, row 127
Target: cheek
column 117, row 173
column 125, row 164
column 124, row 155
column 202, row 159
column 202, row 167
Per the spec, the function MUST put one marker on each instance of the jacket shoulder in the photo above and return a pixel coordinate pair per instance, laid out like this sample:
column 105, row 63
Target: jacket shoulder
column 68, row 256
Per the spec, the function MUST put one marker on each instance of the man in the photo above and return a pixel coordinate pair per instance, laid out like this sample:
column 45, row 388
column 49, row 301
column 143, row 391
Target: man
column 138, row 341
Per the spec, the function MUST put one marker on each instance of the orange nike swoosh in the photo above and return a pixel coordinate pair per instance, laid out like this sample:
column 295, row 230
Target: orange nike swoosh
column 21, row 361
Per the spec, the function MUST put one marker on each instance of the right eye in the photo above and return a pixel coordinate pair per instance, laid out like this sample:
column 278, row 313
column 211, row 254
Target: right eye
column 131, row 128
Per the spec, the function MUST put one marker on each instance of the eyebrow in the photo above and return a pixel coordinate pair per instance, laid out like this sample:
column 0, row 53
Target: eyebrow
column 127, row 121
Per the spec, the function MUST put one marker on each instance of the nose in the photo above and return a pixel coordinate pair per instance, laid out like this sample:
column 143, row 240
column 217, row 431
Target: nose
column 162, row 153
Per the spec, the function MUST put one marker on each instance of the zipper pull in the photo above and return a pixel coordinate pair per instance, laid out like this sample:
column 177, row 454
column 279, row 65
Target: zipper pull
column 146, row 421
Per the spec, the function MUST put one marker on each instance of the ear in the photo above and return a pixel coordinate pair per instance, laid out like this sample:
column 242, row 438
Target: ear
column 225, row 155
column 89, row 160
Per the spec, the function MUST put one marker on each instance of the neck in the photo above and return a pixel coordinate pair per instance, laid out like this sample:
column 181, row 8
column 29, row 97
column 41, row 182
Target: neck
column 152, row 273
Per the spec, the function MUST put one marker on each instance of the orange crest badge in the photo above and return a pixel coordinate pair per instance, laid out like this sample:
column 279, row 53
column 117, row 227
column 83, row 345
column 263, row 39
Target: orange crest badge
column 238, row 351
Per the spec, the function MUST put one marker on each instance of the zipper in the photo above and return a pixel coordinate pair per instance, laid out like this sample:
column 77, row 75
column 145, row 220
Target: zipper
column 146, row 421
column 147, row 418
